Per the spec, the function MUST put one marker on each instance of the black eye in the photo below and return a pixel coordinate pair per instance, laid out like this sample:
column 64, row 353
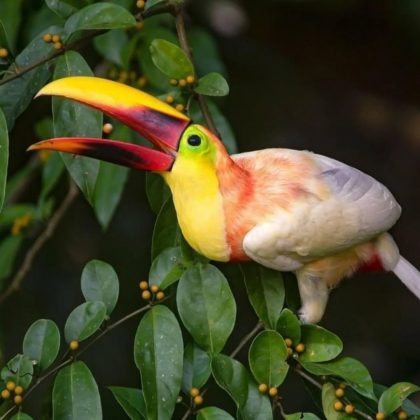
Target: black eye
column 194, row 140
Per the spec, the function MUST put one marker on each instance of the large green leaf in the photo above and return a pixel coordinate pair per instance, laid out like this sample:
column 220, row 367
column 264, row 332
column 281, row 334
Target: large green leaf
column 321, row 345
column 213, row 413
column 265, row 291
column 351, row 370
column 206, row 306
column 65, row 8
column 288, row 325
column 212, row 84
column 267, row 358
column 100, row 283
column 197, row 367
column 4, row 157
column 100, row 16
column 394, row 396
column 9, row 248
column 75, row 394
column 170, row 59
column 328, row 400
column 233, row 377
column 19, row 370
column 167, row 267
column 158, row 353
column 131, row 400
column 42, row 343
column 111, row 45
column 84, row 321
column 74, row 119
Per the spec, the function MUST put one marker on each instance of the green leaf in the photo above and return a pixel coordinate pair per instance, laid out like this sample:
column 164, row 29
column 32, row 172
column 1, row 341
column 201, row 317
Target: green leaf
column 110, row 182
column 157, row 191
column 9, row 248
column 4, row 157
column 51, row 173
column 131, row 400
column 19, row 370
column 351, row 370
column 84, row 321
column 72, row 119
column 75, row 394
column 301, row 416
column 111, row 45
column 11, row 15
column 20, row 415
column 233, row 377
column 197, row 367
column 288, row 325
column 65, row 8
column 267, row 356
column 158, row 353
column 100, row 16
column 42, row 343
column 265, row 291
column 328, row 400
column 167, row 268
column 394, row 396
column 170, row 59
column 212, row 84
column 166, row 232
column 321, row 345
column 206, row 306
column 100, row 283
column 213, row 413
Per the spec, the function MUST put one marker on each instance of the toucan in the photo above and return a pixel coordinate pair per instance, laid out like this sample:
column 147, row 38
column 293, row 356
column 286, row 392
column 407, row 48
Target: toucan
column 286, row 209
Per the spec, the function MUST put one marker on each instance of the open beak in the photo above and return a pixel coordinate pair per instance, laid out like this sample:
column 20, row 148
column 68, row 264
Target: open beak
column 155, row 120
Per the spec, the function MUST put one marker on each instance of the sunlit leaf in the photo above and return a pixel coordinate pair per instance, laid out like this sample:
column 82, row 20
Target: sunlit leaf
column 395, row 395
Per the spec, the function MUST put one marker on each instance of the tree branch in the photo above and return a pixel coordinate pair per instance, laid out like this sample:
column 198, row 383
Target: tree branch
column 40, row 242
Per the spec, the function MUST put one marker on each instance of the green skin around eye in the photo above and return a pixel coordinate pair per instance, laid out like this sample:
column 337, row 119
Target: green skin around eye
column 205, row 150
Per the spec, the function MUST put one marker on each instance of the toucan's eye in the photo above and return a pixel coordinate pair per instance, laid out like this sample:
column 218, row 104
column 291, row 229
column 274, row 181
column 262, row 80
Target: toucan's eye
column 194, row 140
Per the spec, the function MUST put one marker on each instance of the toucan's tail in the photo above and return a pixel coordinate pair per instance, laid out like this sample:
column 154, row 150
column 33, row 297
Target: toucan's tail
column 409, row 275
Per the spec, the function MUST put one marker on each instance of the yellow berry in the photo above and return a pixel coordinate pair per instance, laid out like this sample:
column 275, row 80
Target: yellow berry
column 74, row 345
column 190, row 79
column 107, row 128
column 194, row 392
column 339, row 392
column 19, row 390
column 300, row 348
column 173, row 82
column 342, row 385
column 154, row 288
column 402, row 415
column 3, row 53
column 380, row 416
column 56, row 38
column 338, row 406
column 142, row 81
column 47, row 37
column 146, row 295
column 140, row 4
column 144, row 285
column 169, row 99
column 5, row 394
column 349, row 409
column 160, row 295
column 140, row 24
column 58, row 45
column 123, row 76
column 18, row 399
column 272, row 392
column 289, row 351
column 179, row 107
column 182, row 82
column 198, row 400
column 263, row 388
column 10, row 386
column 288, row 342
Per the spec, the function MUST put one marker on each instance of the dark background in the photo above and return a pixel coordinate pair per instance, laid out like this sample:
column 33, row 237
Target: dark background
column 336, row 77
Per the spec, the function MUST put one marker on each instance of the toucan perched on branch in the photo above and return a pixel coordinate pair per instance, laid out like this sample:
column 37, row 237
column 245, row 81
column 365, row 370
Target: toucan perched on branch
column 286, row 209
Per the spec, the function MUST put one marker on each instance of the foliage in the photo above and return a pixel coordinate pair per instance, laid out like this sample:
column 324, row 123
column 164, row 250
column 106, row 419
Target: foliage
column 180, row 347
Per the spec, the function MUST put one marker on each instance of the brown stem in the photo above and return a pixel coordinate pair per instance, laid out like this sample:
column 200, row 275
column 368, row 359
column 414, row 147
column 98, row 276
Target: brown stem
column 39, row 243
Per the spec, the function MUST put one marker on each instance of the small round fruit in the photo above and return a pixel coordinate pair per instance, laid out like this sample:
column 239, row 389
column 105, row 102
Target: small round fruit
column 47, row 37
column 19, row 390
column 173, row 82
column 300, row 348
column 380, row 416
column 144, row 285
column 142, row 81
column 146, row 295
column 289, row 351
column 338, row 406
column 190, row 79
column 182, row 82
column 140, row 24
column 18, row 399
column 154, row 288
column 194, row 392
column 140, row 4
column 74, row 345
column 10, row 385
column 272, row 392
column 349, row 409
column 169, row 99
column 288, row 342
column 107, row 128
column 58, row 45
column 56, row 38
column 198, row 400
column 263, row 388
column 342, row 385
column 160, row 295
column 339, row 392
column 179, row 107
column 5, row 394
column 402, row 415
column 3, row 53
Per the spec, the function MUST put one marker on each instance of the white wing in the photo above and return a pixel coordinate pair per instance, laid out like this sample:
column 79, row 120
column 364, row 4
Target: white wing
column 357, row 209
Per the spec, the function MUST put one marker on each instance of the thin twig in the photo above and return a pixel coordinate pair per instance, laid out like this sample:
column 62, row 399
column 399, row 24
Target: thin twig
column 40, row 242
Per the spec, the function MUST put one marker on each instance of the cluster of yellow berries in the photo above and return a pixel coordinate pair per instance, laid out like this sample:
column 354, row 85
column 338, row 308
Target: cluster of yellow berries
column 299, row 348
column 170, row 100
column 16, row 390
column 189, row 80
column 338, row 404
column 272, row 392
column 195, row 395
column 55, row 39
column 20, row 223
column 3, row 52
column 402, row 415
column 148, row 292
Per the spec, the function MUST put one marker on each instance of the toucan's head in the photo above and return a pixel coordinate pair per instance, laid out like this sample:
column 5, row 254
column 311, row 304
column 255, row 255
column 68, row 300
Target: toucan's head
column 171, row 132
